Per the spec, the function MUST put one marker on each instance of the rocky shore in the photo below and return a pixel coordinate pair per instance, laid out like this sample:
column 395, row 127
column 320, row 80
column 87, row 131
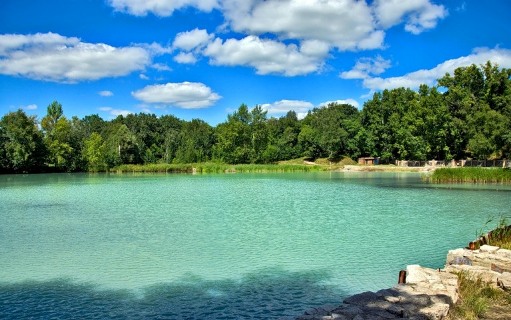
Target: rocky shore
column 426, row 293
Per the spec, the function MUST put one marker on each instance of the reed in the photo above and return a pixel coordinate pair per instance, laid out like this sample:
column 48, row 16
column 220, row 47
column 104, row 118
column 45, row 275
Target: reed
column 211, row 167
column 471, row 175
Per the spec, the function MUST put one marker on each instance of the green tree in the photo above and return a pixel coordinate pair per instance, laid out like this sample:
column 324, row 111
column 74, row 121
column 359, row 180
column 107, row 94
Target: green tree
column 22, row 148
column 331, row 131
column 94, row 153
column 196, row 141
column 233, row 138
column 58, row 138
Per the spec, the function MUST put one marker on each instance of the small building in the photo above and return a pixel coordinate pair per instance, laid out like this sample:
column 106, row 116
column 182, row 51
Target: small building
column 368, row 161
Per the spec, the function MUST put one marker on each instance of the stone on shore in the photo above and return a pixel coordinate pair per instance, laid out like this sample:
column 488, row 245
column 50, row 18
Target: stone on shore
column 428, row 296
column 427, row 293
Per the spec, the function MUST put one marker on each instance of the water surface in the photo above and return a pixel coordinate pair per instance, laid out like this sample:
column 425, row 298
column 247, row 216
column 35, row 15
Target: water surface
column 221, row 246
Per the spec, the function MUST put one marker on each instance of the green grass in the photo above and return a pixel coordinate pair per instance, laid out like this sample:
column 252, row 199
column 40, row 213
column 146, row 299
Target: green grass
column 478, row 298
column 501, row 235
column 210, row 167
column 471, row 175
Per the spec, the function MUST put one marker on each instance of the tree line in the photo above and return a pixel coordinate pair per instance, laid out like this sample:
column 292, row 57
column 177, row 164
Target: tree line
column 468, row 114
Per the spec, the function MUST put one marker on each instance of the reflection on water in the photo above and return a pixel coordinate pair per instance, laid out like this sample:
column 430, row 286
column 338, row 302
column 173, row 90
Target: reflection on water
column 271, row 294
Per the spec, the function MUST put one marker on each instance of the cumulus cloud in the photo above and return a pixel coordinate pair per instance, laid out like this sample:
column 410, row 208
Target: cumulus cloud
column 279, row 108
column 106, row 93
column 284, row 106
column 346, row 24
column 366, row 67
column 161, row 67
column 190, row 40
column 161, row 8
column 267, row 56
column 115, row 112
column 30, row 107
column 186, row 95
column 345, row 101
column 185, row 58
column 480, row 56
column 52, row 57
column 343, row 24
column 418, row 14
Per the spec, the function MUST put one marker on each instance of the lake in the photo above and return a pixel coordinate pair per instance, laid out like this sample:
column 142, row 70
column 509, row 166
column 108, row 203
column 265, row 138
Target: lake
column 221, row 246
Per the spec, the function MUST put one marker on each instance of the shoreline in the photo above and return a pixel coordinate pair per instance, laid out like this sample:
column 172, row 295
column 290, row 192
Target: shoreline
column 421, row 292
column 385, row 168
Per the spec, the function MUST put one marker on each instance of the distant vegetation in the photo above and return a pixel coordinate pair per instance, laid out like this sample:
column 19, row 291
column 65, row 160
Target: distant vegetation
column 214, row 168
column 474, row 175
column 467, row 115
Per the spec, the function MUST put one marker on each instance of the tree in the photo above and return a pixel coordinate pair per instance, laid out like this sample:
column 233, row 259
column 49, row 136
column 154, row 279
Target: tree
column 58, row 138
column 53, row 114
column 196, row 141
column 330, row 131
column 259, row 134
column 22, row 148
column 233, row 138
column 94, row 153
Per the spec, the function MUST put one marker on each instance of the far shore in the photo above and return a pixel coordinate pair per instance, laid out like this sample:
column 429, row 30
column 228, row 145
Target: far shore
column 385, row 168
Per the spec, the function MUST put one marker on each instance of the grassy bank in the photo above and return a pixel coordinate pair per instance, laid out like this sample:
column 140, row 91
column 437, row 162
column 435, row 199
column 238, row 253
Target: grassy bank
column 471, row 175
column 214, row 168
column 480, row 300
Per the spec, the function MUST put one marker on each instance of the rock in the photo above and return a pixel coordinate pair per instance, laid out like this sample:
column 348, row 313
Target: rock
column 415, row 274
column 428, row 293
column 338, row 316
column 487, row 248
column 436, row 311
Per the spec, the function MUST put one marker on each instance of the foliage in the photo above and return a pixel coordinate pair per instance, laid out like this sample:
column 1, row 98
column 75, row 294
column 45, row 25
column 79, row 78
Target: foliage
column 467, row 115
column 94, row 153
column 22, row 148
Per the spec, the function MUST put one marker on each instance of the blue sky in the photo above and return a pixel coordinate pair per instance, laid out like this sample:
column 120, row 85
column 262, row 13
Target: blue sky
column 203, row 58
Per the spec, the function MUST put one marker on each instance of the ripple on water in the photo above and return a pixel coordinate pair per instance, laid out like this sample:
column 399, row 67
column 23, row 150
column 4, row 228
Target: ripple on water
column 220, row 246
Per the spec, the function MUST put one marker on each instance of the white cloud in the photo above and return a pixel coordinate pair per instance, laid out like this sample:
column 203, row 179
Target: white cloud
column 162, row 8
column 154, row 48
column 161, row 67
column 345, row 24
column 30, row 107
column 301, row 107
column 284, row 106
column 366, row 67
column 462, row 7
column 418, row 14
column 267, row 56
column 143, row 76
column 106, row 93
column 480, row 56
column 190, row 40
column 115, row 112
column 185, row 58
column 52, row 57
column 186, row 95
column 345, row 101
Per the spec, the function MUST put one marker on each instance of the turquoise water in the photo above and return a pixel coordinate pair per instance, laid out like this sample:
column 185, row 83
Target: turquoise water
column 221, row 246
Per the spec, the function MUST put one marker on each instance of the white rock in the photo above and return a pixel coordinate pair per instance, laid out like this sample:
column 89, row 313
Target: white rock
column 487, row 248
column 415, row 274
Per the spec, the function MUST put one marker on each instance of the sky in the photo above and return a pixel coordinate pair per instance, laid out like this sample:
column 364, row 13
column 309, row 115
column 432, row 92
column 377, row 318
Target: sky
column 204, row 58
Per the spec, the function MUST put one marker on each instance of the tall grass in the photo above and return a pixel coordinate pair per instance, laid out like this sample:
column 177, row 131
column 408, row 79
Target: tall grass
column 477, row 298
column 471, row 175
column 210, row 167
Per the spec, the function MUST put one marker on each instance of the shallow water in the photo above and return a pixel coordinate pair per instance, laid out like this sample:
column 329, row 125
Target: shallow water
column 221, row 246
